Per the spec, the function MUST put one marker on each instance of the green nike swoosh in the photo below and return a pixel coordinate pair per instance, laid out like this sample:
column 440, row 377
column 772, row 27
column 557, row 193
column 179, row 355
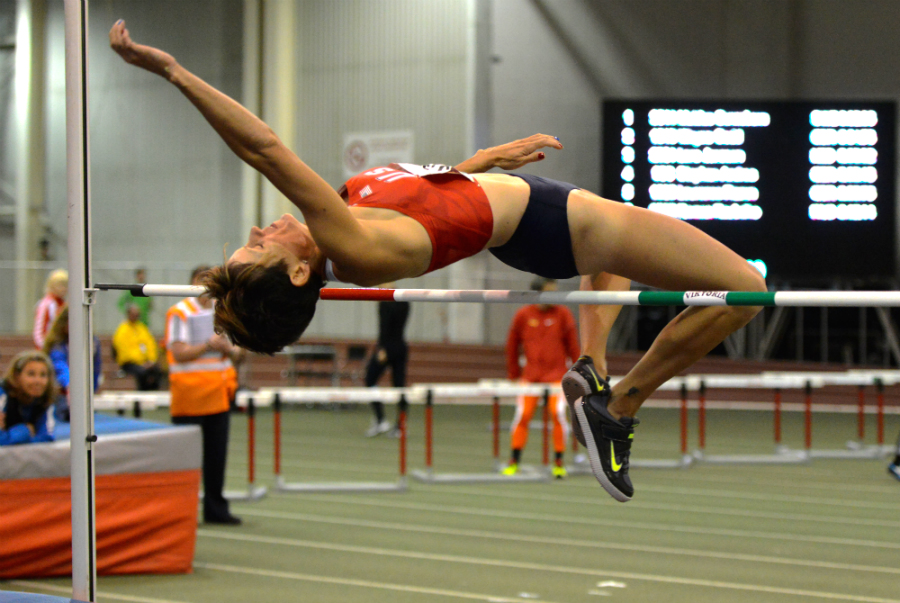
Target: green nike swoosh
column 616, row 467
column 596, row 379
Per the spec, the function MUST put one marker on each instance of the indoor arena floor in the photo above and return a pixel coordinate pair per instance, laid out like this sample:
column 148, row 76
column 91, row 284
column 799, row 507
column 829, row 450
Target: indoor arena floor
column 825, row 530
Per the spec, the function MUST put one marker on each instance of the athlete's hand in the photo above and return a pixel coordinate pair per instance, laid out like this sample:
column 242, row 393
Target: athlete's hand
column 513, row 155
column 149, row 58
column 510, row 156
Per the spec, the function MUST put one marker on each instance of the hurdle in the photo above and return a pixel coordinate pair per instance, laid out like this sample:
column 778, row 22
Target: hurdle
column 781, row 455
column 684, row 460
column 278, row 397
column 138, row 402
column 430, row 392
column 855, row 449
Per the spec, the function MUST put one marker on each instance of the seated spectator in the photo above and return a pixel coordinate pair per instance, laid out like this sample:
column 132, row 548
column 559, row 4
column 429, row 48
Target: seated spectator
column 56, row 346
column 136, row 352
column 56, row 289
column 27, row 393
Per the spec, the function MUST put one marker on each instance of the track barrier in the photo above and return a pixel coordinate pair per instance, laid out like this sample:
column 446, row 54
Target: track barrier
column 490, row 393
column 471, row 393
column 138, row 402
column 278, row 397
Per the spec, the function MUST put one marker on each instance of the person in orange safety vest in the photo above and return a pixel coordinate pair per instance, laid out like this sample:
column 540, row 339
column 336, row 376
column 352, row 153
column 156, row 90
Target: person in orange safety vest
column 202, row 383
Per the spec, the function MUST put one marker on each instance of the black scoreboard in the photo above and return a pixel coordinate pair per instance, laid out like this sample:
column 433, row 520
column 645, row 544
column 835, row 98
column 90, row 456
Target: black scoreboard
column 804, row 190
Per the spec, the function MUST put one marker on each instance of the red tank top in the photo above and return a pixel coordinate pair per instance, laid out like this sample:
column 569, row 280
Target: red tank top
column 447, row 203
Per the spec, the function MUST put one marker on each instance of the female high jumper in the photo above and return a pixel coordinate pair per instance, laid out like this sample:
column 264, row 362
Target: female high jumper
column 402, row 221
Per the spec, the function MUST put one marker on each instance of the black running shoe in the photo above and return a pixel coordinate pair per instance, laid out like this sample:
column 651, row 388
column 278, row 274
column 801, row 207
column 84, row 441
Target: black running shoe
column 608, row 442
column 580, row 381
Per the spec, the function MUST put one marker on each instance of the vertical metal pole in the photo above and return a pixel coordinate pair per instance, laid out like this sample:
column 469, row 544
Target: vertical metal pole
column 863, row 333
column 429, row 409
column 684, row 419
column 701, row 417
column 807, row 416
column 251, row 445
column 545, row 432
column 84, row 549
column 495, row 427
column 402, row 410
column 861, row 414
column 277, row 437
column 879, row 413
column 776, row 418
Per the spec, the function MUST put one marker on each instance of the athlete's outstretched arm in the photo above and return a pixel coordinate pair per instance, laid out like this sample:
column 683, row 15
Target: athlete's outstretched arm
column 510, row 156
column 333, row 227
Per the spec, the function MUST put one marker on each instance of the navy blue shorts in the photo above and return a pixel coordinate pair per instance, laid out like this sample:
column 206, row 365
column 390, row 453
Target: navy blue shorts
column 541, row 243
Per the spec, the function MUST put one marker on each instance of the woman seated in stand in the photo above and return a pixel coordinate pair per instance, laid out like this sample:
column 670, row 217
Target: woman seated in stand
column 27, row 394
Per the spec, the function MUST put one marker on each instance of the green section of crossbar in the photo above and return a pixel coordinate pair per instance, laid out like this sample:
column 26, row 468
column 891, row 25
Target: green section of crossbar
column 676, row 298
column 751, row 299
column 661, row 298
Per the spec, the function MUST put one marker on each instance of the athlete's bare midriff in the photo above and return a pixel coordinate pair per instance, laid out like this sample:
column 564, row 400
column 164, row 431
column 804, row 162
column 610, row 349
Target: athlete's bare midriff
column 508, row 197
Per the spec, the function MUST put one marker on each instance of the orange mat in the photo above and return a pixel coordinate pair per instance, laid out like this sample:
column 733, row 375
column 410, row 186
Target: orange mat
column 146, row 523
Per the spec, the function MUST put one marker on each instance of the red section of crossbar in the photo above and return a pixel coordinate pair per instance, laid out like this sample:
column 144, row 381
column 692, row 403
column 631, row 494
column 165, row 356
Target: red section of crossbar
column 251, row 441
column 807, row 416
column 880, row 416
column 684, row 420
column 861, row 414
column 429, row 406
column 357, row 293
column 495, row 427
column 701, row 417
column 544, row 426
column 776, row 419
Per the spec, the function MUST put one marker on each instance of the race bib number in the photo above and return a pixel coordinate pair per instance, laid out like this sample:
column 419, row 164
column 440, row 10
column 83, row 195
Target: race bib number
column 431, row 169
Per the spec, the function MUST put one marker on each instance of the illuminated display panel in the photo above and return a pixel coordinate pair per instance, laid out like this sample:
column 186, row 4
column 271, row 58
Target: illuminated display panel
column 804, row 189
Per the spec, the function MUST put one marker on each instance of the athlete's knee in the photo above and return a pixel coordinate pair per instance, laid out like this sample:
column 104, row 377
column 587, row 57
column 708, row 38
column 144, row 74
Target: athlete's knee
column 752, row 281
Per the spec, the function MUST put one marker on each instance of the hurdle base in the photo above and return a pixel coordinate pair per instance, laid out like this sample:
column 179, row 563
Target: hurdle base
column 526, row 474
column 782, row 456
column 583, row 467
column 252, row 493
column 330, row 487
column 855, row 451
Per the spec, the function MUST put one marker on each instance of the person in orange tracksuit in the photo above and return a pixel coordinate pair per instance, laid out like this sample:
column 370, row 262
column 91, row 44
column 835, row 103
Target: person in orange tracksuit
column 203, row 381
column 547, row 336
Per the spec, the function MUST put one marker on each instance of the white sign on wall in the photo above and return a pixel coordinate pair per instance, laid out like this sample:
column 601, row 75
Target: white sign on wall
column 364, row 150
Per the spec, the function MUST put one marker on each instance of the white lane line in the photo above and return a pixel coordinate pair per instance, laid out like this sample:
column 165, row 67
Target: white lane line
column 100, row 593
column 480, row 561
column 617, row 523
column 810, row 484
column 353, row 582
column 593, row 544
column 686, row 509
column 806, row 500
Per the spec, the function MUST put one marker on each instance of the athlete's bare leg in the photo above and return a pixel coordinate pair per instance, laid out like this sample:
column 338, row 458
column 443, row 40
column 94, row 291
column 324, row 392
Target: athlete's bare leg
column 595, row 322
column 667, row 253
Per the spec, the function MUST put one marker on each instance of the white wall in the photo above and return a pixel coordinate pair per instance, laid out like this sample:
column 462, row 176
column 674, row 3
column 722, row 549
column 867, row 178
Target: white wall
column 166, row 191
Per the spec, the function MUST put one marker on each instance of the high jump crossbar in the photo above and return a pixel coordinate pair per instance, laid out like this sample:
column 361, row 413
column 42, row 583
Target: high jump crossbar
column 612, row 298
